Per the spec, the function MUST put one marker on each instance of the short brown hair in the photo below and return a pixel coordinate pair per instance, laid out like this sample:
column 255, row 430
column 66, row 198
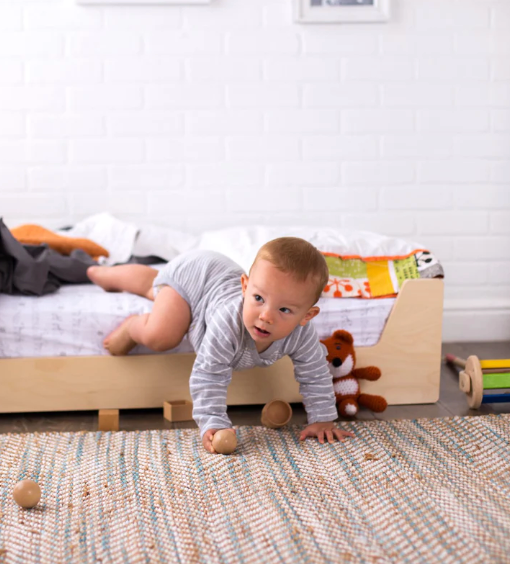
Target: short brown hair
column 298, row 257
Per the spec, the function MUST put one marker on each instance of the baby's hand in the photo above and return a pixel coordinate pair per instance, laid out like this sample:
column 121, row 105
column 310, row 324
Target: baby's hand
column 319, row 429
column 207, row 439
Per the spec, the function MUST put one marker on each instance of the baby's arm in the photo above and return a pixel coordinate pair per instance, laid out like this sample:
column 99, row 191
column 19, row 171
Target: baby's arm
column 316, row 386
column 315, row 381
column 209, row 381
column 209, row 395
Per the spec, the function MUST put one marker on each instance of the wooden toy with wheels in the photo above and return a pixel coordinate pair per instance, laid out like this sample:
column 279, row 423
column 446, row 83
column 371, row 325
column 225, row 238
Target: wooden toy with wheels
column 480, row 376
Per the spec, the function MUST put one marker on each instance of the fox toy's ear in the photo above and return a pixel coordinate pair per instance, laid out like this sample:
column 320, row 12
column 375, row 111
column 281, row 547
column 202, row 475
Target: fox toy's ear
column 343, row 336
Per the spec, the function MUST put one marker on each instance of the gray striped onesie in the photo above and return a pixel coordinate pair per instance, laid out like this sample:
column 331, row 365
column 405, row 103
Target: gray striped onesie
column 210, row 283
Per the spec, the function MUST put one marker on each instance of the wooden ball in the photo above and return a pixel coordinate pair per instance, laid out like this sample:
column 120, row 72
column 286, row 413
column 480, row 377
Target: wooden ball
column 224, row 441
column 27, row 493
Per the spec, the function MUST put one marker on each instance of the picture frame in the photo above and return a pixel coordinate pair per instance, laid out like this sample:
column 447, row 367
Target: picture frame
column 140, row 2
column 341, row 11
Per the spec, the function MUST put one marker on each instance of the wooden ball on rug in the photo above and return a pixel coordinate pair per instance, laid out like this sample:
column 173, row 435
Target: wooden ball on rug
column 27, row 493
column 224, row 441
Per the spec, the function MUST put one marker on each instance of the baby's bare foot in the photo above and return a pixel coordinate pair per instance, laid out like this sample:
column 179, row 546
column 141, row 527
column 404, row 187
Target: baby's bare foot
column 102, row 276
column 118, row 342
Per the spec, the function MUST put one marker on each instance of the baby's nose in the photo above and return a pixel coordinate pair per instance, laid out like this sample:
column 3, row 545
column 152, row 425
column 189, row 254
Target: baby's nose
column 266, row 317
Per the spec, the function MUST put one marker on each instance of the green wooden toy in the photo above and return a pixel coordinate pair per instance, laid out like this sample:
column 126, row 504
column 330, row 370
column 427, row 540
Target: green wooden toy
column 478, row 376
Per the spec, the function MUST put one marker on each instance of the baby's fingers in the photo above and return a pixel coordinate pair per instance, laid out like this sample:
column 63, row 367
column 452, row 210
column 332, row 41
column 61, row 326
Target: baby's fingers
column 341, row 435
column 305, row 433
column 207, row 442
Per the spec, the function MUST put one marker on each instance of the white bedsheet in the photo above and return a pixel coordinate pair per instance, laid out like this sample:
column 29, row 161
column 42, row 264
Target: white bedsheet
column 74, row 321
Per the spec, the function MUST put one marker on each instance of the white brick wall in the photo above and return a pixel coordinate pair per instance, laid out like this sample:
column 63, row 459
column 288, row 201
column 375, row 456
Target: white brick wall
column 209, row 116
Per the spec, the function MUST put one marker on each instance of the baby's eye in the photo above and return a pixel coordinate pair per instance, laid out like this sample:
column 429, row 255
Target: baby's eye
column 285, row 310
column 258, row 298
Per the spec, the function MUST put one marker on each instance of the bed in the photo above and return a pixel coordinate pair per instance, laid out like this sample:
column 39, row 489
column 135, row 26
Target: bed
column 51, row 357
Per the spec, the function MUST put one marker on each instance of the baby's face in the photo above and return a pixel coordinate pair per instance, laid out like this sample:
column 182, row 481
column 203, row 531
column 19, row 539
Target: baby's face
column 274, row 303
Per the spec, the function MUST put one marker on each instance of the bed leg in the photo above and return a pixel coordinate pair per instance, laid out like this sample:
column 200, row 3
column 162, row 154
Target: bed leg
column 108, row 420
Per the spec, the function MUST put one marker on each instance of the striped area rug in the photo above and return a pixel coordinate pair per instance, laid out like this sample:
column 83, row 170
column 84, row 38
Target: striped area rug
column 403, row 491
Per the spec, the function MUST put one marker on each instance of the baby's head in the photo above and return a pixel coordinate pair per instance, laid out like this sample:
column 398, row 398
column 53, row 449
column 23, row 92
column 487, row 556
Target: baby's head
column 285, row 281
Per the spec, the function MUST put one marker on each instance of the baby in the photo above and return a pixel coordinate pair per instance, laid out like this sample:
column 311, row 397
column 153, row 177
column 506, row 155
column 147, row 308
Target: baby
column 233, row 322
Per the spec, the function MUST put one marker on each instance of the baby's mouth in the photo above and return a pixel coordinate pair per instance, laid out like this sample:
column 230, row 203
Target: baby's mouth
column 261, row 332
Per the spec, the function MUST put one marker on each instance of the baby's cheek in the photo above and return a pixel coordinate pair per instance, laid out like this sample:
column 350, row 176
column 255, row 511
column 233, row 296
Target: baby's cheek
column 247, row 315
column 290, row 325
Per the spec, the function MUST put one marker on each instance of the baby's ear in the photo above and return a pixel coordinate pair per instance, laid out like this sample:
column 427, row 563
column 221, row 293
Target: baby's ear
column 244, row 282
column 311, row 313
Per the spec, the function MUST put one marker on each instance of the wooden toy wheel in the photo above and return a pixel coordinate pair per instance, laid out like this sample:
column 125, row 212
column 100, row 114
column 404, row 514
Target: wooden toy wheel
column 474, row 372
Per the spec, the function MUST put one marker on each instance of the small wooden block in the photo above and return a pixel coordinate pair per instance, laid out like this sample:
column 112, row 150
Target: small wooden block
column 180, row 410
column 108, row 420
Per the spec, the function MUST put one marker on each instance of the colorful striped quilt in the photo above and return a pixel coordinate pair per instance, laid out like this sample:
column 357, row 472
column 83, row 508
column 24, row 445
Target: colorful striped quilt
column 375, row 277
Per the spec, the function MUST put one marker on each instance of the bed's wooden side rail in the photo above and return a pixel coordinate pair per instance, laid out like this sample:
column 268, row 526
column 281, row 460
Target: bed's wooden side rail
column 408, row 354
column 409, row 350
column 141, row 381
column 92, row 382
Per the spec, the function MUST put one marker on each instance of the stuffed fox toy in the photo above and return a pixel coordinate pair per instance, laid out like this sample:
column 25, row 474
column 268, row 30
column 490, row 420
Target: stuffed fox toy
column 342, row 360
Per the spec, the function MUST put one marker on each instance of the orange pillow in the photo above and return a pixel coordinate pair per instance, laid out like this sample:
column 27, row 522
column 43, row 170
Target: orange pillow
column 35, row 235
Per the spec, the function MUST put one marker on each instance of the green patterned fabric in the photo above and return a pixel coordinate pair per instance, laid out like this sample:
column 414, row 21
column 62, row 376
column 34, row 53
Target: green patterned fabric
column 402, row 491
column 346, row 268
column 406, row 269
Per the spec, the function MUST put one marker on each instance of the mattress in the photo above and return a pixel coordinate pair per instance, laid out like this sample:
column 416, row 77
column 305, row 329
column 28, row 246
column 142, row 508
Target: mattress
column 74, row 321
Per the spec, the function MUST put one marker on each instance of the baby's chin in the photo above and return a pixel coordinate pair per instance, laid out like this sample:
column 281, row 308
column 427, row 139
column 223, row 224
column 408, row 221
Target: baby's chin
column 258, row 337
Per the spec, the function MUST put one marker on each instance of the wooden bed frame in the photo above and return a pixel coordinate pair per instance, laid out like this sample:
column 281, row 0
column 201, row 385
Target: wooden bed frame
column 408, row 354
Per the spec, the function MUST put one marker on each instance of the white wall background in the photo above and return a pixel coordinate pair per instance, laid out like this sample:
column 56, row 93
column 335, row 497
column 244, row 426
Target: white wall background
column 199, row 117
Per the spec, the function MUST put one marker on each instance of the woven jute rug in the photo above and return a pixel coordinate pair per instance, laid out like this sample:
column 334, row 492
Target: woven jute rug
column 403, row 491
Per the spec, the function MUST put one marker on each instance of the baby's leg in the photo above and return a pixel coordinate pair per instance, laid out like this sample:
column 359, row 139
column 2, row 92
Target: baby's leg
column 162, row 329
column 134, row 278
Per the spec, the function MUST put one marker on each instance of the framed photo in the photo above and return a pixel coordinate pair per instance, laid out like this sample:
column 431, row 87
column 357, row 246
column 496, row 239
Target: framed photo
column 142, row 2
column 335, row 11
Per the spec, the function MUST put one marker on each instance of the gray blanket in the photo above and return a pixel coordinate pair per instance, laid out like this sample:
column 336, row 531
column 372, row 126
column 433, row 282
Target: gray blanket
column 36, row 269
